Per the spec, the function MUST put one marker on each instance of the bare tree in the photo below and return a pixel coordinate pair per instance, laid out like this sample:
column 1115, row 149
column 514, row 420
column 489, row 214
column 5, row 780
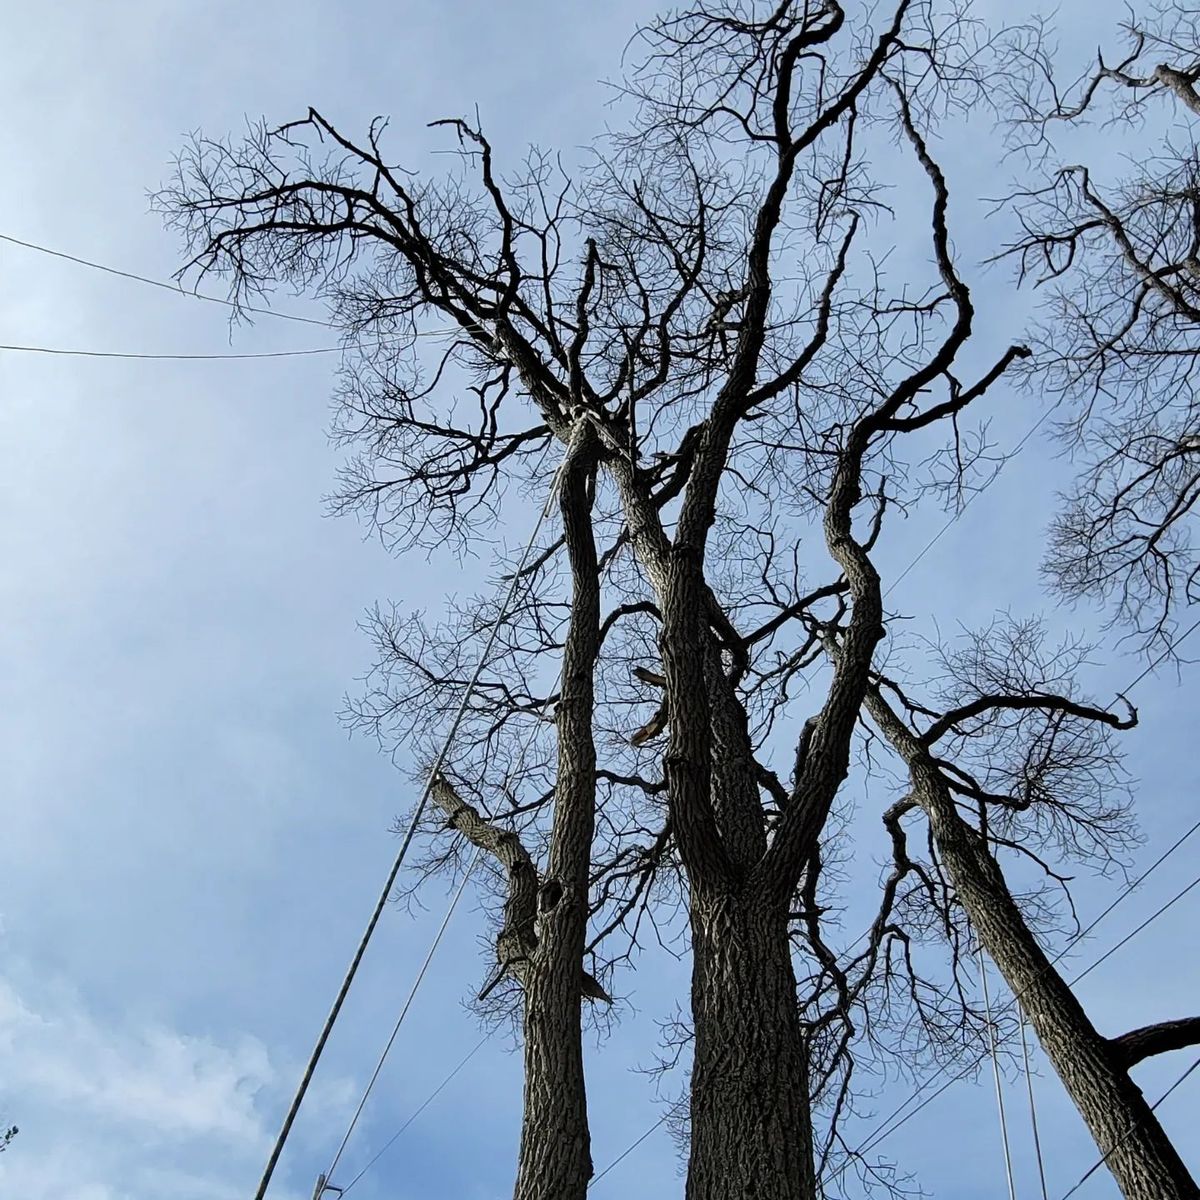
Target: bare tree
column 1120, row 343
column 1044, row 752
column 701, row 325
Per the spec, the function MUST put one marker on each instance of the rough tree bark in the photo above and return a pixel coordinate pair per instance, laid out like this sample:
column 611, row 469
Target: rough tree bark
column 545, row 924
column 750, row 1113
column 555, row 1158
column 752, row 401
column 1093, row 1068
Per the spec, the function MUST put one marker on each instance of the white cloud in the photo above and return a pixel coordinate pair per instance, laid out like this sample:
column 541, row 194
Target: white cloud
column 117, row 1110
column 126, row 1110
column 170, row 1083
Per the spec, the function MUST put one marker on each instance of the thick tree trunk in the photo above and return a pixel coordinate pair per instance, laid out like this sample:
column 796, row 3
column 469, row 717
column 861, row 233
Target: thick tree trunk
column 1136, row 1149
column 751, row 1128
column 751, row 1124
column 555, row 1159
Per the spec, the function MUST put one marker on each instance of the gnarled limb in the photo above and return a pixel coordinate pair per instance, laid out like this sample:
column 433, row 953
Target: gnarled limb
column 517, row 941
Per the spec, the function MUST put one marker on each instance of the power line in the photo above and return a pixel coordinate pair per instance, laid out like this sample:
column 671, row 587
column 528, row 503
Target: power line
column 334, row 1012
column 937, row 537
column 636, row 1143
column 437, row 941
column 1033, row 1117
column 993, row 1042
column 1171, row 648
column 159, row 283
column 178, row 291
column 56, row 350
column 419, row 1110
column 1101, row 1160
column 1130, row 936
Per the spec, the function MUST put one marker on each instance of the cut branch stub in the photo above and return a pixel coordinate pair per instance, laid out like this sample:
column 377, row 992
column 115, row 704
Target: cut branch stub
column 516, row 943
column 657, row 723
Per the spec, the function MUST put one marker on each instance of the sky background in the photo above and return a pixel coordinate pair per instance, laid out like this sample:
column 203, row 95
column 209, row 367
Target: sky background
column 189, row 844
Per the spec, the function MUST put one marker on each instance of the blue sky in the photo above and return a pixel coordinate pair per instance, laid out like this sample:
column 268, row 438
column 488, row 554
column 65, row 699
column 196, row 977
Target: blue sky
column 189, row 844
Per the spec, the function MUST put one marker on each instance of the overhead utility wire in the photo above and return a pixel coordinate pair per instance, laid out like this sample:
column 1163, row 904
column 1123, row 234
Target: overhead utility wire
column 993, row 1042
column 179, row 291
column 326, row 1180
column 1033, row 1117
column 352, row 970
column 437, row 1091
column 59, row 352
column 168, row 287
column 412, row 993
column 958, row 512
column 637, row 1142
column 1101, row 1160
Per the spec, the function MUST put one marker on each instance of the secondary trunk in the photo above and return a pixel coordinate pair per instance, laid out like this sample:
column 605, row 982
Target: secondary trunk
column 751, row 1128
column 555, row 1160
column 1135, row 1147
column 1138, row 1152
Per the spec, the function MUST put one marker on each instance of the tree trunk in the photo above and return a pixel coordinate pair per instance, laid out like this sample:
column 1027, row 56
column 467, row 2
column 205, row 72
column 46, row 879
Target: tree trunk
column 1139, row 1154
column 1136, row 1149
column 751, row 1128
column 555, row 1159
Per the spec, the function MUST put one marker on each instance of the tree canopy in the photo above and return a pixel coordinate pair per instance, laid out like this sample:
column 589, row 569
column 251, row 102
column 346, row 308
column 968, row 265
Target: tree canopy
column 697, row 342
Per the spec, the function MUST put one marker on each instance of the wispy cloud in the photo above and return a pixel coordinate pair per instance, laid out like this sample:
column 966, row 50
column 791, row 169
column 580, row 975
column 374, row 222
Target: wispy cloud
column 171, row 1083
column 125, row 1111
